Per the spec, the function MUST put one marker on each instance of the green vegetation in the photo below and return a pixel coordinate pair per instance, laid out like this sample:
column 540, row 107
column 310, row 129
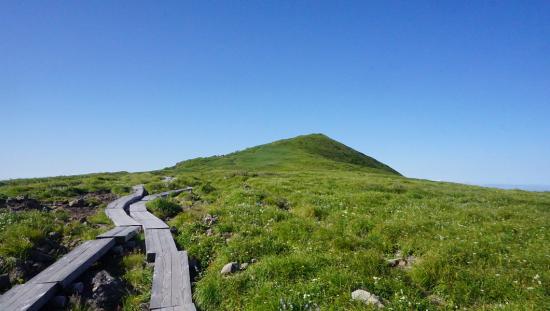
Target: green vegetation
column 140, row 277
column 316, row 220
column 164, row 208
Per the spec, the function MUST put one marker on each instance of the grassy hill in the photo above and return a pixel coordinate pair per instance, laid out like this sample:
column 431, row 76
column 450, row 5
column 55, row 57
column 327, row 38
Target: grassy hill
column 315, row 220
column 315, row 151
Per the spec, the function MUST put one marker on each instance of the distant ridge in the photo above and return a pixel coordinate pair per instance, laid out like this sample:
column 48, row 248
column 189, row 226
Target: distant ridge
column 310, row 151
column 536, row 188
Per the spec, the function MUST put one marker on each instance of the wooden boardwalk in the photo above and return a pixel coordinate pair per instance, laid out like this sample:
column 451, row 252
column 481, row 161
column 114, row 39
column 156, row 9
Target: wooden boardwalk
column 171, row 280
column 34, row 294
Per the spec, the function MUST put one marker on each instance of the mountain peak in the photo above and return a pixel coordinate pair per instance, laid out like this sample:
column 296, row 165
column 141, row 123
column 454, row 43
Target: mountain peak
column 312, row 150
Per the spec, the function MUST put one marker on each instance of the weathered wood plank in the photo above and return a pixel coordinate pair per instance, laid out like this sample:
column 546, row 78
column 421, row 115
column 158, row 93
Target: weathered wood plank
column 187, row 307
column 69, row 267
column 120, row 234
column 139, row 206
column 171, row 283
column 27, row 297
column 120, row 218
column 125, row 201
column 158, row 241
column 148, row 220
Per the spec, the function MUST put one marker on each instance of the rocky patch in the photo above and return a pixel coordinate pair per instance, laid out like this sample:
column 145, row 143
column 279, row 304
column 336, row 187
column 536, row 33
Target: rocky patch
column 22, row 203
column 402, row 262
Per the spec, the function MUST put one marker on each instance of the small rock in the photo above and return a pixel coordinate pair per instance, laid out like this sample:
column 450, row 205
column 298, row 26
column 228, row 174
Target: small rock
column 54, row 235
column 58, row 301
column 78, row 287
column 436, row 300
column 117, row 250
column 393, row 262
column 244, row 266
column 367, row 298
column 174, row 230
column 106, row 291
column 194, row 267
column 44, row 248
column 210, row 219
column 230, row 268
column 209, row 232
column 253, row 260
column 77, row 203
column 38, row 266
column 4, row 281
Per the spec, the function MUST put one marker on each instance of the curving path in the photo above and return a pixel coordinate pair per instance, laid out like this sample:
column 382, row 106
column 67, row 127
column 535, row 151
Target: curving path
column 171, row 281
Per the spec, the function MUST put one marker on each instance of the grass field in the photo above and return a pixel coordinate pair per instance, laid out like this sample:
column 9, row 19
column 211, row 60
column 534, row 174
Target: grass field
column 316, row 220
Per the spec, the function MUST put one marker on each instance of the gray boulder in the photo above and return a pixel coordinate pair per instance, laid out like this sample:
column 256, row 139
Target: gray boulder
column 367, row 298
column 230, row 268
column 107, row 291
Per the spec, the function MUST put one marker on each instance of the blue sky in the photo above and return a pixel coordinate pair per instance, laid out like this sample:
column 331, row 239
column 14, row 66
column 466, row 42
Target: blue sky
column 444, row 90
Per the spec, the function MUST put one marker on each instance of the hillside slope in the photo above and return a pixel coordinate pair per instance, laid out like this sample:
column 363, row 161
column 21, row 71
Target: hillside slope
column 314, row 151
column 313, row 220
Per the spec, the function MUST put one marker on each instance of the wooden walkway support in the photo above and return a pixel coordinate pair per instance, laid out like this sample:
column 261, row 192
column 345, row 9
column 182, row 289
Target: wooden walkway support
column 69, row 267
column 120, row 234
column 34, row 294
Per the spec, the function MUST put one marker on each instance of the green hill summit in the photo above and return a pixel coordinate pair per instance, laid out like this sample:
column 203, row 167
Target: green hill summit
column 314, row 151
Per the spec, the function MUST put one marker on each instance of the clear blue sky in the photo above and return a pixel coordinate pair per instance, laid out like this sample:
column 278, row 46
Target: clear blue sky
column 445, row 90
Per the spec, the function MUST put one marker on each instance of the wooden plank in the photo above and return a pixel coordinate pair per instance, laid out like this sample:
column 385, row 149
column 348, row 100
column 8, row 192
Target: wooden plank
column 171, row 282
column 158, row 241
column 187, row 307
column 125, row 201
column 120, row 234
column 27, row 297
column 139, row 190
column 138, row 207
column 185, row 278
column 120, row 218
column 69, row 267
column 148, row 220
